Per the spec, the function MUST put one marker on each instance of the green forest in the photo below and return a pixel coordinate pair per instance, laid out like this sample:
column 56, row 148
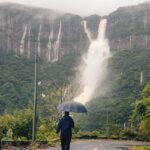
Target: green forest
column 123, row 113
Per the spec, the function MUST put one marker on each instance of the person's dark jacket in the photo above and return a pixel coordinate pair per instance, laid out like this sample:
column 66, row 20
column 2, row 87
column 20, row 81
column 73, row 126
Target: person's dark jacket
column 65, row 125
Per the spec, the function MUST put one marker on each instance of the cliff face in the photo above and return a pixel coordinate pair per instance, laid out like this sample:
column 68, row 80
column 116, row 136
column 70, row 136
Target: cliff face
column 53, row 34
column 129, row 28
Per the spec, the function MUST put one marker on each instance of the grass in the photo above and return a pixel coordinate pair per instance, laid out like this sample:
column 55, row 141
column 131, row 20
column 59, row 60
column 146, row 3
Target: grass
column 140, row 148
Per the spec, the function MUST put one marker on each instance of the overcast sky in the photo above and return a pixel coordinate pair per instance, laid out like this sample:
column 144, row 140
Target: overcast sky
column 81, row 7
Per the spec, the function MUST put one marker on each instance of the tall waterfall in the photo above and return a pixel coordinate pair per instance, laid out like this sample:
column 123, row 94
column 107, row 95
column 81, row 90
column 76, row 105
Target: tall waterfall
column 39, row 41
column 130, row 40
column 141, row 78
column 145, row 19
column 9, row 32
column 29, row 42
column 146, row 41
column 49, row 45
column 22, row 42
column 87, row 30
column 57, row 44
column 93, row 72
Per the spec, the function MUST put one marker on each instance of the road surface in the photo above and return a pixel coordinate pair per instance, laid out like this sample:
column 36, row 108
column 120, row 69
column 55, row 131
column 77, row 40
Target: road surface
column 101, row 145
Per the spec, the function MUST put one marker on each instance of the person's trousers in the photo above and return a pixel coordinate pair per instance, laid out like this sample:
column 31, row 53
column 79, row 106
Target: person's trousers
column 65, row 141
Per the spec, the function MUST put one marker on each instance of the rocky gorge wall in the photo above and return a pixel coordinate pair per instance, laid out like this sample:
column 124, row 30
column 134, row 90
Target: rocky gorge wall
column 53, row 34
column 129, row 27
column 24, row 30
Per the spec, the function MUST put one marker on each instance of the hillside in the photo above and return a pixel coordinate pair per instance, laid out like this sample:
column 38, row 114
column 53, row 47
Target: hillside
column 115, row 107
column 17, row 80
column 60, row 41
column 128, row 27
column 24, row 29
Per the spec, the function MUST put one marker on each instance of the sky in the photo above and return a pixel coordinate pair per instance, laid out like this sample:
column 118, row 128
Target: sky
column 80, row 7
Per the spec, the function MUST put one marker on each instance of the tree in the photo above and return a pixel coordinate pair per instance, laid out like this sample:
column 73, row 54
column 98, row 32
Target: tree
column 17, row 125
column 141, row 111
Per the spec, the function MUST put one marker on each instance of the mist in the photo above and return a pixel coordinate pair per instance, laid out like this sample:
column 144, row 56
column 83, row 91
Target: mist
column 94, row 68
column 79, row 7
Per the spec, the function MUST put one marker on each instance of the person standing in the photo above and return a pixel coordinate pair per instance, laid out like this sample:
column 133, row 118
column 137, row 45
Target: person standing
column 65, row 126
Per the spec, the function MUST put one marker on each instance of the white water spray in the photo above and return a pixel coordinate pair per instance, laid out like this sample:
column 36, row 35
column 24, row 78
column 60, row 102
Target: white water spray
column 57, row 45
column 22, row 42
column 29, row 42
column 49, row 45
column 87, row 30
column 146, row 41
column 130, row 39
column 9, row 32
column 141, row 78
column 94, row 70
column 39, row 41
column 145, row 19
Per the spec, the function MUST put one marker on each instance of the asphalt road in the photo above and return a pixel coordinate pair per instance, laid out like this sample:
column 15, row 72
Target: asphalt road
column 101, row 145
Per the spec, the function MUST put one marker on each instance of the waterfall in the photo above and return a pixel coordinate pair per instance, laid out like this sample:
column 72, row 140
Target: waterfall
column 39, row 41
column 29, row 42
column 22, row 42
column 141, row 78
column 9, row 31
column 87, row 30
column 130, row 41
column 57, row 45
column 146, row 41
column 49, row 45
column 93, row 71
column 145, row 19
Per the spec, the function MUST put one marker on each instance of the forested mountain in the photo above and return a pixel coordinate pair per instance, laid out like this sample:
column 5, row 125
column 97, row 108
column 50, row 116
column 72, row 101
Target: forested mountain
column 59, row 40
column 130, row 72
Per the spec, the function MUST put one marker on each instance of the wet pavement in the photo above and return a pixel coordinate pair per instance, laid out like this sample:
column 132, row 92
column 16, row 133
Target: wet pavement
column 101, row 145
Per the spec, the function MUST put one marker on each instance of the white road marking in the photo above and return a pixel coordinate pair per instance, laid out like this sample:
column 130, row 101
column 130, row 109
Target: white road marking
column 95, row 148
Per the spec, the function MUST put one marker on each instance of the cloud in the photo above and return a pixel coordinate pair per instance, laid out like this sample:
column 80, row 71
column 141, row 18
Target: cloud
column 81, row 7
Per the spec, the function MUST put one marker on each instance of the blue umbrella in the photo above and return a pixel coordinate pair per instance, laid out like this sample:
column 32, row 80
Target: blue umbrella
column 71, row 106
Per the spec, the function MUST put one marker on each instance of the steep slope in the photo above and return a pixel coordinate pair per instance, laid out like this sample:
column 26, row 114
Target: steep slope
column 51, row 33
column 128, row 33
column 129, row 27
column 60, row 40
column 17, row 82
column 127, row 83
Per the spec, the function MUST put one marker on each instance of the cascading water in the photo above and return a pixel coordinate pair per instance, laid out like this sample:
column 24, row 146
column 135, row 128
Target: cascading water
column 87, row 31
column 145, row 19
column 95, row 64
column 130, row 41
column 57, row 45
column 51, row 35
column 146, row 41
column 141, row 78
column 39, row 41
column 29, row 43
column 9, row 31
column 22, row 42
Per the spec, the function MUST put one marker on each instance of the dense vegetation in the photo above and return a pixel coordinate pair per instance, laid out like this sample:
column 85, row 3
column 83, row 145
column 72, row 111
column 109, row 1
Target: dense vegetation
column 16, row 82
column 16, row 94
column 140, row 147
column 111, row 113
column 124, row 112
column 140, row 117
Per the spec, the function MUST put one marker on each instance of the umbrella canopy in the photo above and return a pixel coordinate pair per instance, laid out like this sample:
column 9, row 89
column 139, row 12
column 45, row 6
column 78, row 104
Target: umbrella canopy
column 72, row 106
